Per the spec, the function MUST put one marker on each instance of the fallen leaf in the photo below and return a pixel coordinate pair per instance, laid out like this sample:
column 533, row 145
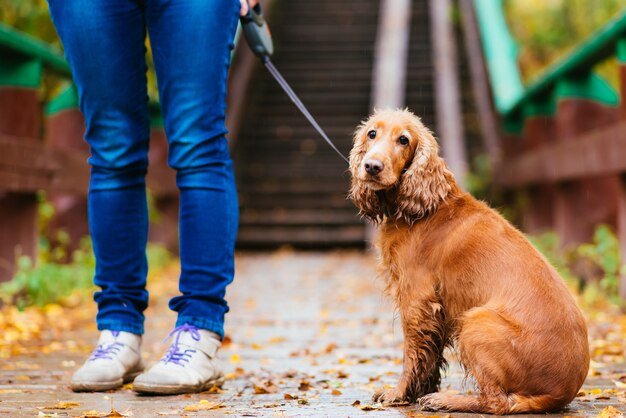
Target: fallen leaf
column 304, row 385
column 63, row 405
column 203, row 405
column 356, row 403
column 336, row 392
column 610, row 412
column 290, row 397
column 115, row 414
column 372, row 408
column 214, row 389
column 191, row 408
column 303, row 401
column 235, row 358
column 265, row 388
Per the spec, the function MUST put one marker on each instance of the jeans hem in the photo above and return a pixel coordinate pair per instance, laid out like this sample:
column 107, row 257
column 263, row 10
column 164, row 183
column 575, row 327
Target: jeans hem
column 203, row 323
column 121, row 326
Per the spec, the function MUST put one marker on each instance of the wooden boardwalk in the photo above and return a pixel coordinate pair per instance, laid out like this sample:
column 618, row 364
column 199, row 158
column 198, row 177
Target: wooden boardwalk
column 311, row 329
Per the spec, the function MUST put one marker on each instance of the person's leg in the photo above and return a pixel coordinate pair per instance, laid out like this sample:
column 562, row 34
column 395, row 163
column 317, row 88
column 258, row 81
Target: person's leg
column 191, row 43
column 104, row 44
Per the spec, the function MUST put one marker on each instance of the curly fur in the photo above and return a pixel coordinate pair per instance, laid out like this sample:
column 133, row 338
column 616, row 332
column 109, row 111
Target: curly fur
column 423, row 184
column 460, row 273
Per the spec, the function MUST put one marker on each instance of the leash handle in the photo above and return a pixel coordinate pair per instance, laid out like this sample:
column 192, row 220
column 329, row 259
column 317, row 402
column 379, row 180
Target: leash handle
column 257, row 33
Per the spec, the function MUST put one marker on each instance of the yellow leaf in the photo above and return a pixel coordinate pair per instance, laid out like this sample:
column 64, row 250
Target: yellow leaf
column 235, row 358
column 191, row 408
column 115, row 414
column 610, row 412
column 265, row 388
column 64, row 405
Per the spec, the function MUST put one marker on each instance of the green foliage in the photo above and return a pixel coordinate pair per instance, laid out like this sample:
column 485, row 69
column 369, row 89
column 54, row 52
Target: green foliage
column 33, row 18
column 548, row 30
column 549, row 245
column 52, row 278
column 49, row 281
column 603, row 252
column 52, row 281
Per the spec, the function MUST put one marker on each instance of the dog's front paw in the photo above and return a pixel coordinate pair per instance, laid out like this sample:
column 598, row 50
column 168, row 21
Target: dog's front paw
column 432, row 402
column 390, row 396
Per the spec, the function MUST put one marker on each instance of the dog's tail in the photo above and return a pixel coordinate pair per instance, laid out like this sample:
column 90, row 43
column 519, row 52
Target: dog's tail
column 536, row 403
column 496, row 404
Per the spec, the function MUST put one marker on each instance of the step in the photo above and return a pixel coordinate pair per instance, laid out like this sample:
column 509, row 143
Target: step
column 299, row 217
column 314, row 237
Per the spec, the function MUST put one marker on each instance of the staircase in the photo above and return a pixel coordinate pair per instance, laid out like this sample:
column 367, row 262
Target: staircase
column 420, row 94
column 292, row 186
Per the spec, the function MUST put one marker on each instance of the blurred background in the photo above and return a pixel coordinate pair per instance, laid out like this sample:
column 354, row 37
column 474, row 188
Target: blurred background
column 524, row 96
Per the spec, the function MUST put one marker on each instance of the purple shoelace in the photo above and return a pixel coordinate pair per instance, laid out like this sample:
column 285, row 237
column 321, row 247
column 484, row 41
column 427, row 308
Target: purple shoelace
column 174, row 354
column 107, row 351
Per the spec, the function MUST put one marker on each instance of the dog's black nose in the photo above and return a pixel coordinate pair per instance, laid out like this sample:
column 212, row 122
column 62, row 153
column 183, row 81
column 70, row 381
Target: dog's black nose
column 373, row 167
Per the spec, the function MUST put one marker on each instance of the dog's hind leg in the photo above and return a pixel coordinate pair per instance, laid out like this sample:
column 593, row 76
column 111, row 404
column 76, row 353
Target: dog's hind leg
column 491, row 348
column 497, row 403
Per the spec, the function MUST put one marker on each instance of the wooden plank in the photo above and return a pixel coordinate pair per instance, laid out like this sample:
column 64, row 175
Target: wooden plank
column 480, row 83
column 30, row 166
column 447, row 98
column 597, row 153
column 18, row 230
column 20, row 111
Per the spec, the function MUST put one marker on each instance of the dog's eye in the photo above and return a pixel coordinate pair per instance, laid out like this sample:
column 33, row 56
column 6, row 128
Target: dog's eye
column 371, row 134
column 403, row 140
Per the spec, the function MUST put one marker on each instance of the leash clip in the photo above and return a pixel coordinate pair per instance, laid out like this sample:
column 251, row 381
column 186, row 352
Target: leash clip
column 257, row 33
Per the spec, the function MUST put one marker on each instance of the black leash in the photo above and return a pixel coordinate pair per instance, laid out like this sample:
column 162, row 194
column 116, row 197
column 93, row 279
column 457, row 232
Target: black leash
column 259, row 39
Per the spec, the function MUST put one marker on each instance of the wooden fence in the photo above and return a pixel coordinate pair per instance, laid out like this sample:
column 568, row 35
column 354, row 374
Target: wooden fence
column 562, row 137
column 42, row 148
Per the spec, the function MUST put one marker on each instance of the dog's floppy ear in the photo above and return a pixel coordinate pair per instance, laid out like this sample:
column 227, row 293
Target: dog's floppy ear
column 363, row 197
column 425, row 183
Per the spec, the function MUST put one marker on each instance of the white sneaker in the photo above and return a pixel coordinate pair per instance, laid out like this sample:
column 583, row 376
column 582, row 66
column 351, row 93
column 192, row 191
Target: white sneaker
column 189, row 365
column 116, row 360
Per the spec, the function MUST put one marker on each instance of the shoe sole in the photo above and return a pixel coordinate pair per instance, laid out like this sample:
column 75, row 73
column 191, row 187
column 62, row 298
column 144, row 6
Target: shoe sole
column 84, row 386
column 148, row 389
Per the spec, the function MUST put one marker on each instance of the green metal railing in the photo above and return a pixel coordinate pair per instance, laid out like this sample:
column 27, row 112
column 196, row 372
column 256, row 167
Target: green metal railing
column 23, row 60
column 24, row 57
column 570, row 77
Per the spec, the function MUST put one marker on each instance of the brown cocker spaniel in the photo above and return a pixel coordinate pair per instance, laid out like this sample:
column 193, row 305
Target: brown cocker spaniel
column 462, row 276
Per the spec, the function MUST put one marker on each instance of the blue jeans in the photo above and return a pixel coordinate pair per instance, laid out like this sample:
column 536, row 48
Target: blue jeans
column 191, row 41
